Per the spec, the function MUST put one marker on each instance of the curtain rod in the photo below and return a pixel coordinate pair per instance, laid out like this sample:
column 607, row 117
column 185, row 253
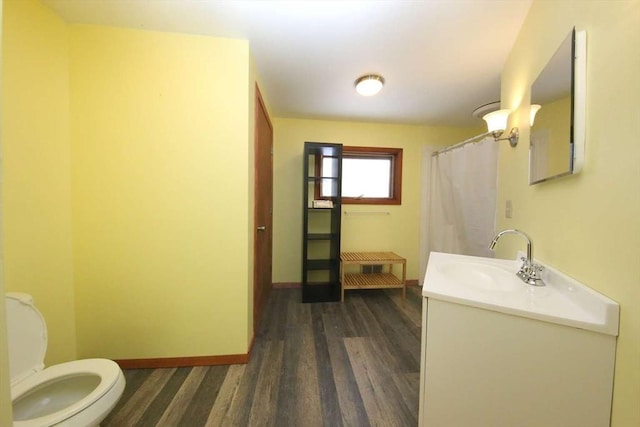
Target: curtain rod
column 471, row 140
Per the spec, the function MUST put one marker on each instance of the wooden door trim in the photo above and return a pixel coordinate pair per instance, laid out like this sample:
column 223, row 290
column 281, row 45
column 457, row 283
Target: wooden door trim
column 264, row 108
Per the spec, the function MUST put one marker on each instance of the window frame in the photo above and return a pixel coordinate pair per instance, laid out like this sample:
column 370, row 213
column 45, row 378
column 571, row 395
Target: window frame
column 395, row 182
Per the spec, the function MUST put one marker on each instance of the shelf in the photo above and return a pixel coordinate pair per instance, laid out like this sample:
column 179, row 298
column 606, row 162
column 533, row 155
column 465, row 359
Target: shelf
column 324, row 149
column 367, row 258
column 320, row 283
column 371, row 281
column 321, row 292
column 320, row 236
column 322, row 169
column 382, row 280
column 321, row 264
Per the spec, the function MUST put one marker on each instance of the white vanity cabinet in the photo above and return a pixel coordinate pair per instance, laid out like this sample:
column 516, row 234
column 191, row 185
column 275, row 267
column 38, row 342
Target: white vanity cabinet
column 516, row 358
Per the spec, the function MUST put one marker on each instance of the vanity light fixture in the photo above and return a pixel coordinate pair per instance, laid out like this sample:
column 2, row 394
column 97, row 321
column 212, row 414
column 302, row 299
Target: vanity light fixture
column 532, row 113
column 369, row 85
column 497, row 123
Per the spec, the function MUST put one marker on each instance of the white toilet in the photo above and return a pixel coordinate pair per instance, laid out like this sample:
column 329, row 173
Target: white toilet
column 78, row 394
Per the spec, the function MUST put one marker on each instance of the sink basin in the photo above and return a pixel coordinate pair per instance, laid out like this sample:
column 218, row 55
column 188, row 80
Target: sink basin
column 492, row 284
column 485, row 277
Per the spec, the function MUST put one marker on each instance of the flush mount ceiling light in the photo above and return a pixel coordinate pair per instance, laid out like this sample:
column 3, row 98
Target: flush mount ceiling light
column 485, row 109
column 369, row 85
column 497, row 123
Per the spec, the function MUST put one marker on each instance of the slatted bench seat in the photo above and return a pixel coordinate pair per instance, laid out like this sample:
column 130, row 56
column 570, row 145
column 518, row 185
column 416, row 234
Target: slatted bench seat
column 383, row 280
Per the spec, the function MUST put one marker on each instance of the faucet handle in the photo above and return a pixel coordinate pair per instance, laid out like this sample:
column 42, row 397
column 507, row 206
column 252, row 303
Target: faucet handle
column 536, row 269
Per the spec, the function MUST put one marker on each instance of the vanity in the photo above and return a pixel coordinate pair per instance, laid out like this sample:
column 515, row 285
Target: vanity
column 497, row 352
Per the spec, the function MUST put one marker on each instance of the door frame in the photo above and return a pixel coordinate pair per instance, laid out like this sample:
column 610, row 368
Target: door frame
column 260, row 105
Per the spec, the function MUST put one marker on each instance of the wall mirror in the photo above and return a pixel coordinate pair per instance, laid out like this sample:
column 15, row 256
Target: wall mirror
column 558, row 113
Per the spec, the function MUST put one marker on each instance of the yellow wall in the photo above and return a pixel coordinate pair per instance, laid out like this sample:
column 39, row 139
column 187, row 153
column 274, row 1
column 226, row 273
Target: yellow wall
column 586, row 225
column 395, row 232
column 137, row 148
column 36, row 186
column 160, row 147
column 5, row 391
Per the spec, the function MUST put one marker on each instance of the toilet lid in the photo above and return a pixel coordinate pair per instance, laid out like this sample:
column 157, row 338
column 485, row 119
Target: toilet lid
column 27, row 336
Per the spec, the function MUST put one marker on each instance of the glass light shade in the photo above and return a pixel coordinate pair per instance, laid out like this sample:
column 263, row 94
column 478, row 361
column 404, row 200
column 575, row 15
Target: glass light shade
column 369, row 85
column 532, row 113
column 497, row 120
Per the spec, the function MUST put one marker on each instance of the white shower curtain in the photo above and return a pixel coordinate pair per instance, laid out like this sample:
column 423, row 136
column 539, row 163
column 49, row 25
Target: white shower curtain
column 463, row 199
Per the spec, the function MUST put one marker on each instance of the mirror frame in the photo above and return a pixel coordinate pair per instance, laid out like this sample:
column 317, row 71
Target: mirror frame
column 578, row 110
column 578, row 131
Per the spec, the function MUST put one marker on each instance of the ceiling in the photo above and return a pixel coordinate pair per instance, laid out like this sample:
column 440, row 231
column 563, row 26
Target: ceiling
column 440, row 58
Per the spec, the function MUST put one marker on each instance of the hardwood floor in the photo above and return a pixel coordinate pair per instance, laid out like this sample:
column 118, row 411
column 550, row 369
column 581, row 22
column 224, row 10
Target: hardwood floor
column 355, row 363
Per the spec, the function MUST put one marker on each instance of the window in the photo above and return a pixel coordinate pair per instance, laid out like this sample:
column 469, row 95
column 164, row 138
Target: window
column 369, row 175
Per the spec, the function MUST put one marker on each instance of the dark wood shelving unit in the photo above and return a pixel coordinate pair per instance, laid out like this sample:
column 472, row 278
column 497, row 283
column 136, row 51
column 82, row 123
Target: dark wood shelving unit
column 322, row 172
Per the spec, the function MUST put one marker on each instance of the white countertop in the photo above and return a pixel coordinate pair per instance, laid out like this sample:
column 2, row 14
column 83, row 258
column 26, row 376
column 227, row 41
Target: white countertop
column 493, row 285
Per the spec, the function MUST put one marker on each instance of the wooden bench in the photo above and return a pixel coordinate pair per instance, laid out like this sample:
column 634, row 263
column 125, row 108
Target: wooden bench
column 383, row 280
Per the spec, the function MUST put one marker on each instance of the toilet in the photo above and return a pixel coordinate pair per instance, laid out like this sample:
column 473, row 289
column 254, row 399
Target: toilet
column 80, row 393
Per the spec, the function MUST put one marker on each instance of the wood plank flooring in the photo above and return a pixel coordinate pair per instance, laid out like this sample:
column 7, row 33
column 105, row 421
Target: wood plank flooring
column 355, row 363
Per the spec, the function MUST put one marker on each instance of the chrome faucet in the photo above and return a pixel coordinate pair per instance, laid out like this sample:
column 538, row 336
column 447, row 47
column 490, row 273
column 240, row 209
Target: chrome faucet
column 529, row 271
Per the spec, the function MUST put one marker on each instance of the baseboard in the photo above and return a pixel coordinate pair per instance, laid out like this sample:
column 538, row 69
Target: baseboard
column 178, row 362
column 227, row 359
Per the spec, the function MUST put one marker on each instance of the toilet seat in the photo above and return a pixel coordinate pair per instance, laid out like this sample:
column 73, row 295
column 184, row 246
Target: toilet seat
column 108, row 371
column 76, row 393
